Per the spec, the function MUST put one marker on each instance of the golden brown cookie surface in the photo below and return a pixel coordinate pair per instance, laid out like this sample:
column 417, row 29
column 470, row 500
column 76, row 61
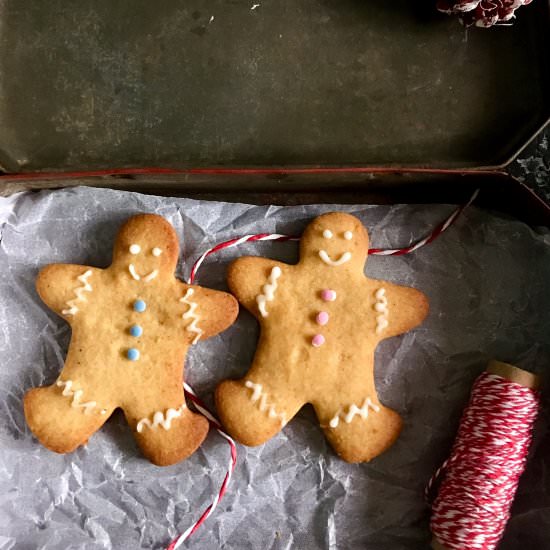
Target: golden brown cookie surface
column 321, row 321
column 132, row 324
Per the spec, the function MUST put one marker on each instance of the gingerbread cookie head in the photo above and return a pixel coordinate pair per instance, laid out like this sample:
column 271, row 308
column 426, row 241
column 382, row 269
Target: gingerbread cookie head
column 146, row 248
column 333, row 240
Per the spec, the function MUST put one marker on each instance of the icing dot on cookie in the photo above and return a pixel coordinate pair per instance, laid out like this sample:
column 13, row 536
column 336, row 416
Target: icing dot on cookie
column 156, row 251
column 132, row 354
column 140, row 306
column 328, row 295
column 317, row 340
column 327, row 233
column 322, row 318
column 348, row 235
column 135, row 249
column 136, row 331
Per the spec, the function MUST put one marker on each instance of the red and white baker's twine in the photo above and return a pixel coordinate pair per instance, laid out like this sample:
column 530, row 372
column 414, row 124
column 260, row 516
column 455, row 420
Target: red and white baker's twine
column 201, row 407
column 480, row 478
column 440, row 228
column 236, row 242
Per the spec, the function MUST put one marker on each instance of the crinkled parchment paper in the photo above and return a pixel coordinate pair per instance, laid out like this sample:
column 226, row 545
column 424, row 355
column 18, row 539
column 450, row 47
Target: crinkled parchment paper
column 488, row 281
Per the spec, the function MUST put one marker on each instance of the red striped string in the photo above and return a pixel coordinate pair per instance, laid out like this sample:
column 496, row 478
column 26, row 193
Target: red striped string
column 480, row 478
column 201, row 407
column 236, row 242
column 439, row 229
column 434, row 234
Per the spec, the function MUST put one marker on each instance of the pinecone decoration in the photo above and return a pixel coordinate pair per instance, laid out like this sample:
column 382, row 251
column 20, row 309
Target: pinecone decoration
column 481, row 13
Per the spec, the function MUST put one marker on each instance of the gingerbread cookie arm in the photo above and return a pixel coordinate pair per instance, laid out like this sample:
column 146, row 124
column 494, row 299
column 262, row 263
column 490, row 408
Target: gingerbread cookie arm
column 398, row 308
column 254, row 282
column 65, row 288
column 206, row 312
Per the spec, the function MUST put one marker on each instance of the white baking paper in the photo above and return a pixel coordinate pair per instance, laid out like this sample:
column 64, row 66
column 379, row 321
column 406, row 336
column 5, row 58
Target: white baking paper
column 488, row 281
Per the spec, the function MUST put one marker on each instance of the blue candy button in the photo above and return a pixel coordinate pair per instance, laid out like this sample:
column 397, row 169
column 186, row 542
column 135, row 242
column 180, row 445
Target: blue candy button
column 140, row 306
column 136, row 331
column 132, row 354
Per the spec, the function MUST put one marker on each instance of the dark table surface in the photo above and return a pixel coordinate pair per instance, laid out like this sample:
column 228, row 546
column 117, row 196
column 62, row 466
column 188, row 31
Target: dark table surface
column 533, row 165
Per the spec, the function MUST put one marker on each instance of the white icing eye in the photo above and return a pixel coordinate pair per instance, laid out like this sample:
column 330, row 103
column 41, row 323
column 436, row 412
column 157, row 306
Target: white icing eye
column 327, row 233
column 135, row 249
column 156, row 251
column 348, row 235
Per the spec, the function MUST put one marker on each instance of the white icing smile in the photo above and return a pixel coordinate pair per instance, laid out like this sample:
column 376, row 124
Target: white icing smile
column 345, row 257
column 136, row 249
column 135, row 275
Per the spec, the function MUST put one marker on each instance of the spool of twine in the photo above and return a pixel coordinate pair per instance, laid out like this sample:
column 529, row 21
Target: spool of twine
column 479, row 480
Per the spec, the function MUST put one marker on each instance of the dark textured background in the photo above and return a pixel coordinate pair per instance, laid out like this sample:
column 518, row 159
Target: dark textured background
column 533, row 165
column 100, row 85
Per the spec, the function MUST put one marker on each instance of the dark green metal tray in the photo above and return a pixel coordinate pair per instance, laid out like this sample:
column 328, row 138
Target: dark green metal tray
column 95, row 85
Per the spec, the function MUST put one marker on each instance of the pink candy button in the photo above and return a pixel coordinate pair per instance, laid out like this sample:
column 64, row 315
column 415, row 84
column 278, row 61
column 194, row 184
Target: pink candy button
column 317, row 340
column 322, row 318
column 328, row 295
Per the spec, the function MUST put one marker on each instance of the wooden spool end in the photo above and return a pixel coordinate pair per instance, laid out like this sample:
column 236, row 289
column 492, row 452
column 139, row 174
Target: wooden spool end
column 514, row 374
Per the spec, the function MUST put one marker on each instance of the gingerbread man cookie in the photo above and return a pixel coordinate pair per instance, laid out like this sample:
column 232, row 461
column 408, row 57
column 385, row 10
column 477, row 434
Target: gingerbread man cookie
column 132, row 324
column 321, row 321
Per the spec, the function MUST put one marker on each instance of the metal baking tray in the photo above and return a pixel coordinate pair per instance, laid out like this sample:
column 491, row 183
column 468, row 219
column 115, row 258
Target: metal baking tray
column 102, row 85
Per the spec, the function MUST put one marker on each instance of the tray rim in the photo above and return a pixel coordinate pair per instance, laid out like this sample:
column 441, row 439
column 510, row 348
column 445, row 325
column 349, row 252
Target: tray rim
column 514, row 196
column 257, row 170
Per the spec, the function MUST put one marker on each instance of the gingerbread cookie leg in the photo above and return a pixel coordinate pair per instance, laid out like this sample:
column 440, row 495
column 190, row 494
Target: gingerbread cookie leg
column 62, row 417
column 254, row 409
column 167, row 434
column 358, row 430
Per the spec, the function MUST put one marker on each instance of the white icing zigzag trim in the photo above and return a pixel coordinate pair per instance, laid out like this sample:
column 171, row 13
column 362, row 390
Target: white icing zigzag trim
column 88, row 407
column 190, row 314
column 381, row 306
column 86, row 287
column 160, row 419
column 268, row 291
column 354, row 410
column 257, row 394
